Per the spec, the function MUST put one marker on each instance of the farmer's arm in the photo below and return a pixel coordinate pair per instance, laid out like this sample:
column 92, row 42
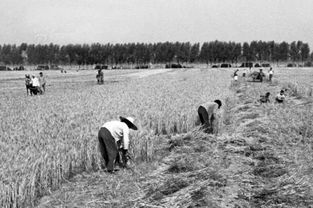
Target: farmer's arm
column 125, row 155
column 215, row 122
column 125, row 138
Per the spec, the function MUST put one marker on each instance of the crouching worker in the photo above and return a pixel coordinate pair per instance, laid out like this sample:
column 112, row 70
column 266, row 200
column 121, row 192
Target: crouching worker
column 208, row 116
column 280, row 98
column 114, row 137
column 265, row 98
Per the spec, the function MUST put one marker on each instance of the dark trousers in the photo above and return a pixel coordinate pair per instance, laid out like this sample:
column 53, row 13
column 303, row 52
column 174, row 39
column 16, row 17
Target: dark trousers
column 279, row 100
column 28, row 90
column 203, row 115
column 35, row 90
column 207, row 120
column 108, row 148
column 270, row 77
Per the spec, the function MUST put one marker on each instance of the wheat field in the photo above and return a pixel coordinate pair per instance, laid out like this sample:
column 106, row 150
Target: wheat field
column 46, row 139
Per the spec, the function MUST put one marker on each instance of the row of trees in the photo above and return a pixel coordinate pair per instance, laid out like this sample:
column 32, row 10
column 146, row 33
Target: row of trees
column 143, row 53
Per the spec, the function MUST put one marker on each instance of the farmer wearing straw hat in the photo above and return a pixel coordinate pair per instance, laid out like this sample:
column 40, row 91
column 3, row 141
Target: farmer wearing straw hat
column 112, row 136
column 208, row 116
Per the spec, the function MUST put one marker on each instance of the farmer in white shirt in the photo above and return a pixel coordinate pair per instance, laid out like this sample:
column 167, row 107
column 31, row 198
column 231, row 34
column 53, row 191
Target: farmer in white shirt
column 280, row 97
column 35, row 85
column 208, row 115
column 35, row 81
column 112, row 136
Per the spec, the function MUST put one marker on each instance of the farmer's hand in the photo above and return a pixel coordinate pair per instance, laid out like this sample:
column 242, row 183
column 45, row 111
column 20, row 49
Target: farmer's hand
column 125, row 157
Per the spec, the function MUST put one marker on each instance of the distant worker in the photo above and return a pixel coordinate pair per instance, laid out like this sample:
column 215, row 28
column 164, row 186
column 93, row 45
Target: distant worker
column 260, row 75
column 35, row 88
column 100, row 76
column 280, row 98
column 244, row 73
column 114, row 137
column 265, row 98
column 236, row 75
column 271, row 73
column 28, row 84
column 42, row 81
column 208, row 116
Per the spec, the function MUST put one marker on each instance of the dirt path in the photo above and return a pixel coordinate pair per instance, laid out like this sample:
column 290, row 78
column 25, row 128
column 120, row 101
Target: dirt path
column 14, row 80
column 146, row 73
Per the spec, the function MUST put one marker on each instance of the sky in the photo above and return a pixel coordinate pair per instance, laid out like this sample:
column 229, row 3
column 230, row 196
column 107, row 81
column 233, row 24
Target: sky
column 119, row 21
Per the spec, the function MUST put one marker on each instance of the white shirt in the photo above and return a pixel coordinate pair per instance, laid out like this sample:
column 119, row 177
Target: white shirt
column 271, row 72
column 119, row 131
column 212, row 107
column 280, row 96
column 35, row 82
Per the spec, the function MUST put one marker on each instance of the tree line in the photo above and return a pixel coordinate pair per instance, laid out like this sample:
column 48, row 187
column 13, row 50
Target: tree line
column 144, row 53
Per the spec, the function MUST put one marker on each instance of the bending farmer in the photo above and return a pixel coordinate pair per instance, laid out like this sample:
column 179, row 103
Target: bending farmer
column 280, row 97
column 208, row 116
column 112, row 136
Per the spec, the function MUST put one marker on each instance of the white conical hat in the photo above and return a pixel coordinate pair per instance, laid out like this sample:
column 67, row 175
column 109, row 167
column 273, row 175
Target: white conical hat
column 129, row 121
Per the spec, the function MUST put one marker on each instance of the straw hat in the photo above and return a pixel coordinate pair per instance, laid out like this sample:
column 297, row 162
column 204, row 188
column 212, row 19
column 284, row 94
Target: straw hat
column 129, row 121
column 218, row 102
